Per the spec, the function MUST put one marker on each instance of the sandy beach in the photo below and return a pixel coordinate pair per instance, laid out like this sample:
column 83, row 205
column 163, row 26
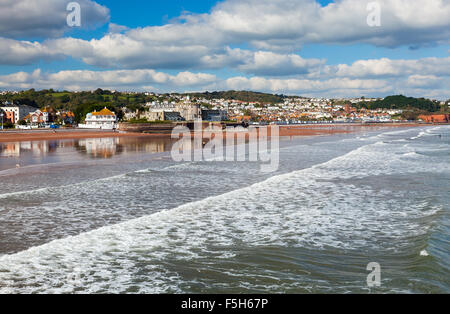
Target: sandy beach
column 285, row 131
column 45, row 135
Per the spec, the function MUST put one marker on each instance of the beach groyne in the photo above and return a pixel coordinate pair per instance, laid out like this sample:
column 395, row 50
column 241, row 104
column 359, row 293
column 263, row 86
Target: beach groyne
column 167, row 128
column 160, row 128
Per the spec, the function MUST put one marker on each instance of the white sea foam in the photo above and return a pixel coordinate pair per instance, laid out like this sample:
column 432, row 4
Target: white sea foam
column 421, row 134
column 49, row 189
column 310, row 208
column 411, row 154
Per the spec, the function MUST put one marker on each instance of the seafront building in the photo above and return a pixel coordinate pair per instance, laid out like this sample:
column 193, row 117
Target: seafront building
column 103, row 120
column 38, row 117
column 189, row 111
column 185, row 111
column 15, row 113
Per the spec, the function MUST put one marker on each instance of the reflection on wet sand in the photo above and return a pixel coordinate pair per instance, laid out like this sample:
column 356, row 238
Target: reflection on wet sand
column 35, row 148
column 21, row 154
column 10, row 150
column 99, row 147
column 96, row 147
column 109, row 147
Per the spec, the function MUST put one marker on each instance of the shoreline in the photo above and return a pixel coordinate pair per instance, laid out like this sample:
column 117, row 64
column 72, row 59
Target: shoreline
column 285, row 131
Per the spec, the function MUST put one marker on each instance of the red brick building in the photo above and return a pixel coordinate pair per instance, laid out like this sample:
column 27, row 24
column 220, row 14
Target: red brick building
column 8, row 116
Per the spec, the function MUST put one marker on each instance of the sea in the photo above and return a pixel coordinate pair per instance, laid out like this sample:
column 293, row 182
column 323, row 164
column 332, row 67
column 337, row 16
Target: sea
column 118, row 215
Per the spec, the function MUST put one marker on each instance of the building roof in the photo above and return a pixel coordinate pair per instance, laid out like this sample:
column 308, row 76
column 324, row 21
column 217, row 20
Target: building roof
column 68, row 114
column 103, row 112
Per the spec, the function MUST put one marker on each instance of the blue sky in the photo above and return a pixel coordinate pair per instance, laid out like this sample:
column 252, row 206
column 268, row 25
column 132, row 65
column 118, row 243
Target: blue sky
column 138, row 13
column 302, row 47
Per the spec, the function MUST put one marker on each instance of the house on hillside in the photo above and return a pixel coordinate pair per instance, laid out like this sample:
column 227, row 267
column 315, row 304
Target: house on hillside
column 66, row 117
column 214, row 115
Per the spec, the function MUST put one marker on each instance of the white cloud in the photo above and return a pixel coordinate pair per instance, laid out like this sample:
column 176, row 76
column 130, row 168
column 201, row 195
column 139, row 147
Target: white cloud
column 272, row 32
column 201, row 41
column 425, row 81
column 150, row 80
column 385, row 67
column 416, row 86
column 299, row 86
column 270, row 25
column 273, row 64
column 13, row 52
column 116, row 28
column 87, row 80
column 120, row 51
column 45, row 18
column 273, row 23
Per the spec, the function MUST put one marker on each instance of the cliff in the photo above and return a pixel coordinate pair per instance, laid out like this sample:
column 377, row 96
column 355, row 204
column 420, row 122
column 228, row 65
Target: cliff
column 436, row 118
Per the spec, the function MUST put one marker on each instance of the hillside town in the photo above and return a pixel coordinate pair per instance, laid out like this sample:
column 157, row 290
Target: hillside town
column 179, row 108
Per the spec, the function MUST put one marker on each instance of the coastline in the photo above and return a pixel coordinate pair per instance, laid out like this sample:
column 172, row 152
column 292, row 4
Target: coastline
column 285, row 131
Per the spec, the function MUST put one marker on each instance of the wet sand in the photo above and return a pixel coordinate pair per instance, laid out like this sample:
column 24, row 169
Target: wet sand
column 330, row 129
column 45, row 135
column 285, row 131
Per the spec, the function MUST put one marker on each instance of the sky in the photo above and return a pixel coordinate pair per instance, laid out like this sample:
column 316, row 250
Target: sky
column 316, row 48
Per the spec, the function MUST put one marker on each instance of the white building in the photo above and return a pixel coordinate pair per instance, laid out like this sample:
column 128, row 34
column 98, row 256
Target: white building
column 104, row 120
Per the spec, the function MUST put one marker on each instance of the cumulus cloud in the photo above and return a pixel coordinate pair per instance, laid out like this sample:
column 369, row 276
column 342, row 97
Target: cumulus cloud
column 140, row 79
column 274, row 64
column 425, row 81
column 270, row 24
column 299, row 86
column 272, row 32
column 267, row 27
column 13, row 52
column 385, row 67
column 119, row 51
column 45, row 18
column 87, row 80
column 116, row 28
column 150, row 80
column 417, row 86
column 289, row 24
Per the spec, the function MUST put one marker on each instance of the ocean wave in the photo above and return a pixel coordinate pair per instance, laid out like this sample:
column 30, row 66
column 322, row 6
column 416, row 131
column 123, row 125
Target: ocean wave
column 306, row 208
